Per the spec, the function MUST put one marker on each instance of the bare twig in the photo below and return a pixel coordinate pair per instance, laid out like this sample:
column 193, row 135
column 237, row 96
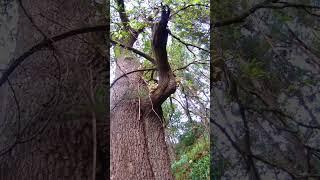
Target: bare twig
column 187, row 44
column 189, row 64
column 125, row 74
column 186, row 7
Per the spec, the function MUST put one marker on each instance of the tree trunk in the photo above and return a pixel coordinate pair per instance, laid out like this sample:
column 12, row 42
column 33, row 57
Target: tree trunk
column 138, row 147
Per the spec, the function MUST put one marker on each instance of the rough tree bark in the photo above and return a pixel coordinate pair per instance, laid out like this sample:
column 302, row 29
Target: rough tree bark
column 50, row 136
column 138, row 147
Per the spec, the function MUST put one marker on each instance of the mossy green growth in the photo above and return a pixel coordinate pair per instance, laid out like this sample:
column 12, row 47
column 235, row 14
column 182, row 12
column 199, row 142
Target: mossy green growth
column 194, row 163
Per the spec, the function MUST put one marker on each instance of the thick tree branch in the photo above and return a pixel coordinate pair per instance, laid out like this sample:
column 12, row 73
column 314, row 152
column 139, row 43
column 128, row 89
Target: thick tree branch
column 167, row 83
column 125, row 21
column 122, row 13
column 46, row 43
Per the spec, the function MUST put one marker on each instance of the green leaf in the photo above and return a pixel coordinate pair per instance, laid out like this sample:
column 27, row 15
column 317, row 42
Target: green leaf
column 117, row 51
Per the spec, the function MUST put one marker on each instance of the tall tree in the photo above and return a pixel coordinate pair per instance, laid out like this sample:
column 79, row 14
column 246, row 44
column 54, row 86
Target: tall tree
column 138, row 148
column 138, row 141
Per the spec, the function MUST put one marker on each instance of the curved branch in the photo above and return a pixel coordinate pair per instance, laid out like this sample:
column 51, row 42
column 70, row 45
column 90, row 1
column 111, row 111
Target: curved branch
column 186, row 7
column 243, row 16
column 267, row 4
column 189, row 64
column 125, row 74
column 46, row 43
column 152, row 69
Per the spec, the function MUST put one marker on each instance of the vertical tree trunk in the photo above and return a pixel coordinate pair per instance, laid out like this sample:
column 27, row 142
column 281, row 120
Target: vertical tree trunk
column 138, row 147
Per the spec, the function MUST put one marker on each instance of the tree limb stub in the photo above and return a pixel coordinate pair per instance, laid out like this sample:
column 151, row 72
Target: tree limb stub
column 167, row 83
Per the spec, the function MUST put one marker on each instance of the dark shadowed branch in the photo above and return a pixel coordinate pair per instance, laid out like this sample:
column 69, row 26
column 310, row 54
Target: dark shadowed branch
column 267, row 4
column 45, row 44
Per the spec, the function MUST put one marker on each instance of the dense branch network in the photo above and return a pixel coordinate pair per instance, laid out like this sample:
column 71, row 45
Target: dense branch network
column 282, row 122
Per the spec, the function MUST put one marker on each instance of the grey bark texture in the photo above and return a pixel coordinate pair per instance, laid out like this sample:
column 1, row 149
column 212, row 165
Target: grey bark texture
column 50, row 137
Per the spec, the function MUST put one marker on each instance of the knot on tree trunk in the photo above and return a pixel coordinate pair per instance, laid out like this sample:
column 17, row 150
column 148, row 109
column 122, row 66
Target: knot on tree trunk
column 167, row 83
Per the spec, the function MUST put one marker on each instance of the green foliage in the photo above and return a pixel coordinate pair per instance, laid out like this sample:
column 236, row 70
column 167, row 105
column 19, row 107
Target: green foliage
column 194, row 163
column 120, row 35
column 200, row 168
column 137, row 25
column 192, row 29
column 177, row 54
column 117, row 51
column 146, row 44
